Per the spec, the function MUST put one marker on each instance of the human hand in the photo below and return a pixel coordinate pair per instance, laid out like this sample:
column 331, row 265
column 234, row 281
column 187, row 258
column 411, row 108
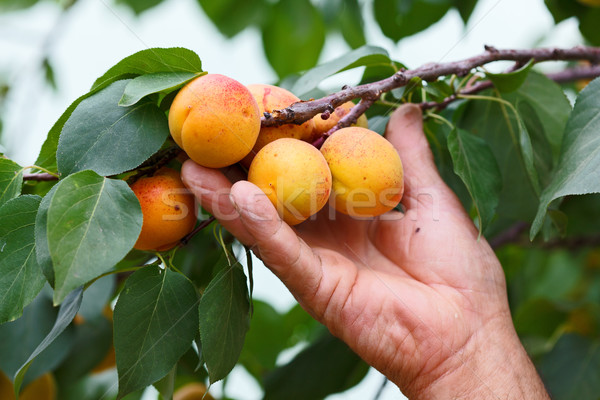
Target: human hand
column 416, row 295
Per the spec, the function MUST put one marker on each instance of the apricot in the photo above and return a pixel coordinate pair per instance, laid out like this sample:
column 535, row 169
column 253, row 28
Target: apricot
column 294, row 176
column 192, row 391
column 271, row 98
column 324, row 125
column 168, row 210
column 367, row 172
column 215, row 120
column 42, row 388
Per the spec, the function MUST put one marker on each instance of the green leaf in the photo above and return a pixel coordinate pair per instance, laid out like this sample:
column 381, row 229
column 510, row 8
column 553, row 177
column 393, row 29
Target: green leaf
column 66, row 313
column 293, row 36
column 474, row 162
column 19, row 339
column 145, row 85
column 576, row 172
column 571, row 369
column 229, row 22
column 11, row 179
column 511, row 81
column 42, row 251
column 155, row 322
column 304, row 376
column 398, row 19
column 96, row 297
column 109, row 139
column 21, row 279
column 465, row 8
column 149, row 61
column 12, row 5
column 49, row 73
column 588, row 25
column 351, row 24
column 224, row 321
column 93, row 222
column 539, row 317
column 364, row 56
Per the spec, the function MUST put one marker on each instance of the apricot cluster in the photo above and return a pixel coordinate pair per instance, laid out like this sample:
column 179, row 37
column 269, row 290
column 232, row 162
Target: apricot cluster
column 216, row 121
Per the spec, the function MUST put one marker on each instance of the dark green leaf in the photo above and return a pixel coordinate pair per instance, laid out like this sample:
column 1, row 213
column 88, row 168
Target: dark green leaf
column 149, row 61
column 230, row 22
column 398, row 19
column 293, row 36
column 509, row 82
column 224, row 320
column 93, row 222
column 474, row 162
column 18, row 339
column 66, row 313
column 109, row 139
column 42, row 251
column 90, row 345
column 145, row 85
column 155, row 322
column 139, row 6
column 21, row 278
column 588, row 25
column 351, row 23
column 465, row 8
column 576, row 172
column 364, row 56
column 325, row 367
column 11, row 179
column 571, row 369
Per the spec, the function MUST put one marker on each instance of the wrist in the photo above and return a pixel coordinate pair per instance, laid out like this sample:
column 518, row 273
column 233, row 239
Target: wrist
column 492, row 365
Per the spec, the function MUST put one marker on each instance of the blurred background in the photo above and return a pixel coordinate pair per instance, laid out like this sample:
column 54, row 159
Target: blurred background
column 52, row 51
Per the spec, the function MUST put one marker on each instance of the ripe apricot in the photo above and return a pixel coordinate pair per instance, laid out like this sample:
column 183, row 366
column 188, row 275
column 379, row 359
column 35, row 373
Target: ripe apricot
column 168, row 209
column 215, row 120
column 324, row 125
column 294, row 176
column 367, row 172
column 271, row 98
column 192, row 391
column 42, row 388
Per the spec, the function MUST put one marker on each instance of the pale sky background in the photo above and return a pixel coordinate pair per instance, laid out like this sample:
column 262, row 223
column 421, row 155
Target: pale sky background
column 97, row 34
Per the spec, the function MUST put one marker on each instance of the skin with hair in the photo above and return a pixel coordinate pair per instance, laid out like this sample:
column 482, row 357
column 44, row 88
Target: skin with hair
column 416, row 295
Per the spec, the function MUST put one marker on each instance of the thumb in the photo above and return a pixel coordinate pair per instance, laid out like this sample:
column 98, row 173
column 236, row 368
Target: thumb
column 275, row 242
column 421, row 178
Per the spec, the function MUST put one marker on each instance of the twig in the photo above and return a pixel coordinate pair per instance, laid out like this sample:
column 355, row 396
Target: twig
column 348, row 119
column 511, row 235
column 40, row 177
column 193, row 233
column 154, row 163
column 302, row 111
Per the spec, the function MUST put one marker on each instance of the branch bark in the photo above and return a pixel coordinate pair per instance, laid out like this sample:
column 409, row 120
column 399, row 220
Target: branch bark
column 302, row 111
column 39, row 177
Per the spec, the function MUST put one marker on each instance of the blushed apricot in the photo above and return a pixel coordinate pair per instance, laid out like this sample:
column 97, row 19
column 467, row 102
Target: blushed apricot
column 215, row 120
column 324, row 125
column 294, row 176
column 168, row 209
column 367, row 172
column 271, row 98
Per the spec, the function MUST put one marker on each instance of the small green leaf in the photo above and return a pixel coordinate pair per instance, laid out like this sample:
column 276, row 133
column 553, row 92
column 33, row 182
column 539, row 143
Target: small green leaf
column 571, row 369
column 21, row 278
column 155, row 322
column 11, row 179
column 293, row 36
column 230, row 23
column 145, row 85
column 351, row 23
column 224, row 321
column 465, row 8
column 66, row 313
column 139, row 6
column 363, row 56
column 509, row 82
column 93, row 222
column 474, row 162
column 149, row 61
column 576, row 172
column 303, row 377
column 109, row 139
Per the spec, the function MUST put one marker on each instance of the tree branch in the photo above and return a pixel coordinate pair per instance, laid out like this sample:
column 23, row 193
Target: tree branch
column 302, row 111
column 40, row 177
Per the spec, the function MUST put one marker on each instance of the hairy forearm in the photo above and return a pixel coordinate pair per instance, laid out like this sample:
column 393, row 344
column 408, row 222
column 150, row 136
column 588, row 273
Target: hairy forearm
column 493, row 365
